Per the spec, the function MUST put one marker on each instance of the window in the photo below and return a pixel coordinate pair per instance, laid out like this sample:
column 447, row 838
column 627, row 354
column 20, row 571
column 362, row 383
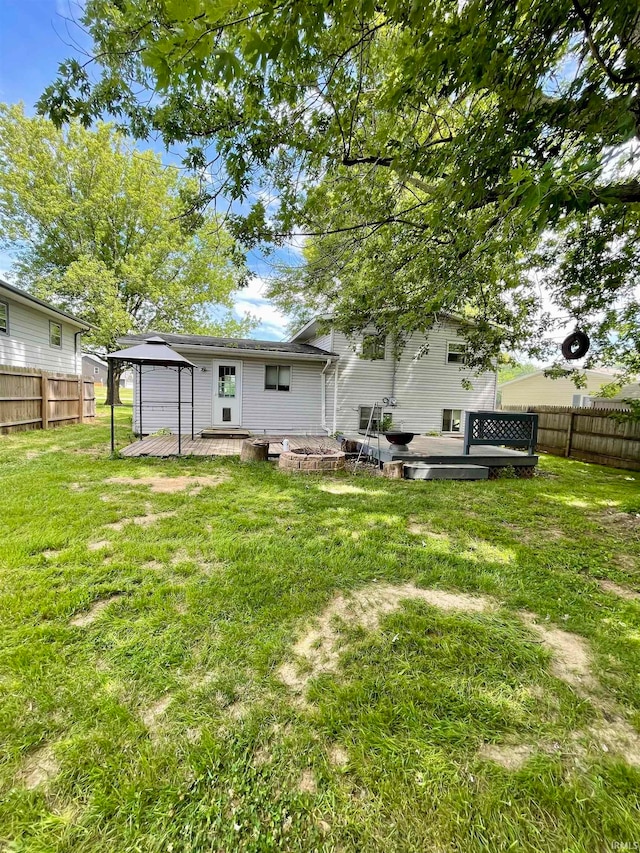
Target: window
column 373, row 347
column 456, row 352
column 226, row 381
column 451, row 420
column 55, row 335
column 96, row 370
column 277, row 377
column 365, row 415
column 4, row 318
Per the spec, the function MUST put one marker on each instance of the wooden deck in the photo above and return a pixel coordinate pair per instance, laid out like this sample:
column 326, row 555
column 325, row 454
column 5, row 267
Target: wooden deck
column 167, row 445
column 437, row 450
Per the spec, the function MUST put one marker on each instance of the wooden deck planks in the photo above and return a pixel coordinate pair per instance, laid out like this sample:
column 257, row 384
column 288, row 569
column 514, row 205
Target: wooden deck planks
column 164, row 446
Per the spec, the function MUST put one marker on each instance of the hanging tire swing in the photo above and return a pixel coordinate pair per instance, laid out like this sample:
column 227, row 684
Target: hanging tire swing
column 575, row 345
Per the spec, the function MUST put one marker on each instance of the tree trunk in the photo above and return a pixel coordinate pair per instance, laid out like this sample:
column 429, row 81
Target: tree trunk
column 254, row 450
column 118, row 370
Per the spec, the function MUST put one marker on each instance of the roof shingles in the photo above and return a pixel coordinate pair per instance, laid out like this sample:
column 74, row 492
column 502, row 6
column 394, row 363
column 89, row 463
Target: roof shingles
column 240, row 344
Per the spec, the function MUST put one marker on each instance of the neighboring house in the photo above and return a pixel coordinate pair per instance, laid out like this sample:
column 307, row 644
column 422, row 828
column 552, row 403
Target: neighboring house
column 318, row 382
column 35, row 334
column 536, row 389
column 93, row 367
column 627, row 392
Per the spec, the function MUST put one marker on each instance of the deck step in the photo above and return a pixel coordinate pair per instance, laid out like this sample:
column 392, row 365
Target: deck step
column 221, row 432
column 424, row 471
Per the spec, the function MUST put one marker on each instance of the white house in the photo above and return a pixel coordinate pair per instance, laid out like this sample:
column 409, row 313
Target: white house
column 536, row 389
column 319, row 382
column 35, row 334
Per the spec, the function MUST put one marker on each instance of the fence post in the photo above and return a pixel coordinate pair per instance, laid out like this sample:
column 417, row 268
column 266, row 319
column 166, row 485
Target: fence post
column 81, row 399
column 44, row 393
column 567, row 446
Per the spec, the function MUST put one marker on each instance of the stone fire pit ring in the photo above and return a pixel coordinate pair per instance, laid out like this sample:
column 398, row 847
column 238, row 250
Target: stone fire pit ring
column 310, row 461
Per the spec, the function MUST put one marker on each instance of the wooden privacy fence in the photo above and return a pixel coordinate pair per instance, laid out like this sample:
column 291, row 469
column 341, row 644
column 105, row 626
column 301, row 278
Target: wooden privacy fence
column 591, row 435
column 35, row 399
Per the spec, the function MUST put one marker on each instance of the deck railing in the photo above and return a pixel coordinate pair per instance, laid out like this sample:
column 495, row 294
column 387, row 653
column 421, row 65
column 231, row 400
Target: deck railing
column 508, row 429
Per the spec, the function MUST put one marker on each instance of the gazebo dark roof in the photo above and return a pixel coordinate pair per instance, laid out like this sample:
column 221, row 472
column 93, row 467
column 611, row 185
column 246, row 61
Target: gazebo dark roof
column 153, row 351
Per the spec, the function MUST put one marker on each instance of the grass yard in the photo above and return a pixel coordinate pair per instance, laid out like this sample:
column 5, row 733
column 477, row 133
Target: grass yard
column 255, row 661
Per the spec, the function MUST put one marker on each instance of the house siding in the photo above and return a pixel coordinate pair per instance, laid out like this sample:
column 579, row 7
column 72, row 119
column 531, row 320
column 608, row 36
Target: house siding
column 27, row 344
column 88, row 371
column 423, row 387
column 540, row 390
column 297, row 411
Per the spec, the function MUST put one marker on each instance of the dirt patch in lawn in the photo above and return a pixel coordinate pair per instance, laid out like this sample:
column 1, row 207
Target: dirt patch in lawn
column 620, row 591
column 627, row 563
column 97, row 546
column 338, row 756
column 619, row 522
column 39, row 768
column 616, row 736
column 152, row 716
column 84, row 619
column 307, row 783
column 510, row 756
column 141, row 520
column 571, row 661
column 418, row 529
column 318, row 648
column 170, row 485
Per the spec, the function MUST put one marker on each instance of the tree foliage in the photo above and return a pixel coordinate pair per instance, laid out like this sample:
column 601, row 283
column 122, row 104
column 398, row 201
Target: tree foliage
column 101, row 230
column 423, row 148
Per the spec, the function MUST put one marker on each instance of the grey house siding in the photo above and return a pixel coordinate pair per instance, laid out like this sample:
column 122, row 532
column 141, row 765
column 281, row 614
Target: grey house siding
column 88, row 370
column 160, row 397
column 295, row 411
column 27, row 343
column 423, row 386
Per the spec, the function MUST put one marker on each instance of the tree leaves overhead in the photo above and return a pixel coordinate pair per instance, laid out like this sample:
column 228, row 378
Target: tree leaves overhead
column 423, row 148
column 107, row 232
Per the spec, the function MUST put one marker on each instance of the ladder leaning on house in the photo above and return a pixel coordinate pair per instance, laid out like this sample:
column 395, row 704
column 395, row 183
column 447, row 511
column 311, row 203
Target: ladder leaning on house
column 367, row 436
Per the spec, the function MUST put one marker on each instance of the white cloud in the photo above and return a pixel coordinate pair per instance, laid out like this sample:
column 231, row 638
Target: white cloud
column 252, row 300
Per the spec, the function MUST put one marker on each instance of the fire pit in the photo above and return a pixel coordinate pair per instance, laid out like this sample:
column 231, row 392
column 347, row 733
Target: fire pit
column 310, row 459
column 399, row 440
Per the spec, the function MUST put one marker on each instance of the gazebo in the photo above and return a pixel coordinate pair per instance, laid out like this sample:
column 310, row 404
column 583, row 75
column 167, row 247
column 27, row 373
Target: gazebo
column 153, row 353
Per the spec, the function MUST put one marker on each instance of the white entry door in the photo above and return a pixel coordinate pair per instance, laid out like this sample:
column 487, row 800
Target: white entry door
column 227, row 393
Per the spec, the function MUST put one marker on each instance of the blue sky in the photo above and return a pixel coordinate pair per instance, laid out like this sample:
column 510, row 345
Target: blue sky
column 35, row 36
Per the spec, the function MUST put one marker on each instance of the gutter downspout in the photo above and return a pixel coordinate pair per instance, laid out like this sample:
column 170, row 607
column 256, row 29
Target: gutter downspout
column 335, row 399
column 323, row 397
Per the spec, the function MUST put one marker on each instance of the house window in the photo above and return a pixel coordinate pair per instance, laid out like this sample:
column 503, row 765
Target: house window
column 373, row 347
column 451, row 420
column 96, row 370
column 456, row 352
column 4, row 318
column 365, row 416
column 226, row 381
column 55, row 335
column 277, row 377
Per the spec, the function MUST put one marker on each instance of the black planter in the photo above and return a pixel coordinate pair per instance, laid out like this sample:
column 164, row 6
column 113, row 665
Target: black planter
column 399, row 440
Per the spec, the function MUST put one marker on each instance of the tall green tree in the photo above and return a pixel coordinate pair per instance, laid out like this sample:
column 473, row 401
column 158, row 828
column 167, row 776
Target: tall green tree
column 106, row 231
column 423, row 148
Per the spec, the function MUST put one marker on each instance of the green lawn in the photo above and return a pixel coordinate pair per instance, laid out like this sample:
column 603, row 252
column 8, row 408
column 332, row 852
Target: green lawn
column 200, row 706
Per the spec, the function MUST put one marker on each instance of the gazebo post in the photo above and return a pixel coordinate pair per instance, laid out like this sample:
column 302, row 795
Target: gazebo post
column 110, row 392
column 179, row 411
column 192, row 386
column 140, row 399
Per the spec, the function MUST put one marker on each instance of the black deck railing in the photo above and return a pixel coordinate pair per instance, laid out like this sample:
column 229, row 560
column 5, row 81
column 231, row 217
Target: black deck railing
column 508, row 429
